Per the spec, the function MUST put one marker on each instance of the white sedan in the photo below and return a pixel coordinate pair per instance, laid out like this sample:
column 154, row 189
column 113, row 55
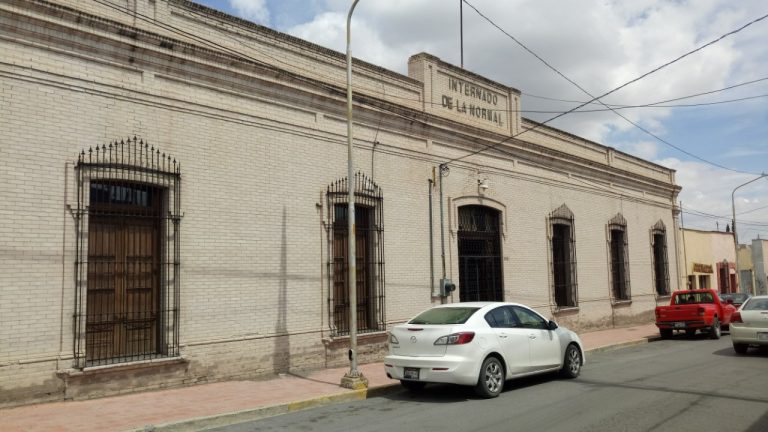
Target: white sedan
column 749, row 325
column 480, row 344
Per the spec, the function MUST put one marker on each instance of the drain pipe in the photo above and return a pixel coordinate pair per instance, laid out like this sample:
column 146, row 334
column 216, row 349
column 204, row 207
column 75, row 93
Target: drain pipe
column 430, row 185
column 441, row 168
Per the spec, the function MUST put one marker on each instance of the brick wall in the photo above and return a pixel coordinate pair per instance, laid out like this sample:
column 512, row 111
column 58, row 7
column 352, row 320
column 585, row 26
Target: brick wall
column 257, row 150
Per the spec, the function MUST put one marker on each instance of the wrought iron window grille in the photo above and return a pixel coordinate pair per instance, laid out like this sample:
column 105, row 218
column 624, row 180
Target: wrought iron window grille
column 127, row 256
column 619, row 259
column 660, row 259
column 562, row 249
column 369, row 252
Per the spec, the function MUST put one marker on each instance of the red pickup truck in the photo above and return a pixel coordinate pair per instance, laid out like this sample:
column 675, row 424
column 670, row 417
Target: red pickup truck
column 693, row 310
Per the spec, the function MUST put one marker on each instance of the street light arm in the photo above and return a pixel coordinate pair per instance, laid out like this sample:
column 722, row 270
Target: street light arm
column 733, row 201
column 733, row 224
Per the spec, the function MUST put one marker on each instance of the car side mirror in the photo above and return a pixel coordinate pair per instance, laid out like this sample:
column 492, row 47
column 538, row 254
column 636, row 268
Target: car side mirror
column 552, row 325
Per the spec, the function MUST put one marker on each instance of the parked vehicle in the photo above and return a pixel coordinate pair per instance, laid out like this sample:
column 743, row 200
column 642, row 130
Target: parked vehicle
column 736, row 299
column 692, row 310
column 480, row 344
column 749, row 326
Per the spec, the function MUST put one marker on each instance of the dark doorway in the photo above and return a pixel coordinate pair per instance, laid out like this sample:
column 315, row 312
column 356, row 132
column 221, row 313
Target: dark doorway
column 479, row 254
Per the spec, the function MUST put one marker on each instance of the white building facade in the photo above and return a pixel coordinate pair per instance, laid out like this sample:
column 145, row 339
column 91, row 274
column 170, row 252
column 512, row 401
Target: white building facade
column 174, row 189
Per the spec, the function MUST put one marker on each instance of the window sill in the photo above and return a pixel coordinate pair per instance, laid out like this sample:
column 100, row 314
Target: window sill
column 365, row 338
column 621, row 303
column 119, row 367
column 566, row 310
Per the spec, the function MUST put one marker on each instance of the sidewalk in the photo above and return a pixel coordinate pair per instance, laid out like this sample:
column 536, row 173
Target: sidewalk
column 217, row 404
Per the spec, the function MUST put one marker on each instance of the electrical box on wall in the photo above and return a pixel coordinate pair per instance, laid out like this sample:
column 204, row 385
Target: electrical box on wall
column 446, row 287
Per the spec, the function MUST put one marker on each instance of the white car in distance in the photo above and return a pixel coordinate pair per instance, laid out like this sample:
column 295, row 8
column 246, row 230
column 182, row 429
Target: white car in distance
column 480, row 344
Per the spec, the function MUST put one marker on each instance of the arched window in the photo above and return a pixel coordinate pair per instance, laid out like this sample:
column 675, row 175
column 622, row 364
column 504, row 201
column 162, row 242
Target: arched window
column 127, row 265
column 369, row 253
column 660, row 260
column 562, row 242
column 619, row 258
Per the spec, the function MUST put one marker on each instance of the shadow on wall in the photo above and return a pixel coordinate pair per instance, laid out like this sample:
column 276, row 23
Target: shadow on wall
column 281, row 358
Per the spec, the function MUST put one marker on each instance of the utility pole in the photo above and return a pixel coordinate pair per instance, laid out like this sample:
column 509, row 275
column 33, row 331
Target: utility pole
column 353, row 379
column 461, row 31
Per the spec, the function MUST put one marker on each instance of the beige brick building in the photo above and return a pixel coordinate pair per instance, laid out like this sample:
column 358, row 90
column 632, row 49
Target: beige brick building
column 211, row 246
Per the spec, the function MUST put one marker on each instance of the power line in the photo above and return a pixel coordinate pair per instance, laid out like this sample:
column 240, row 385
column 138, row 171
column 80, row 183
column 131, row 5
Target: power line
column 655, row 103
column 598, row 98
column 651, row 105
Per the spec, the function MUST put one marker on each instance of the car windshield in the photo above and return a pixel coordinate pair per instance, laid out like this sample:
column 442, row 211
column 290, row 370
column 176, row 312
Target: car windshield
column 444, row 315
column 756, row 304
column 739, row 297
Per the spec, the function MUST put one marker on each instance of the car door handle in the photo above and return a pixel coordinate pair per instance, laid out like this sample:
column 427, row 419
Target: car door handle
column 503, row 336
column 532, row 336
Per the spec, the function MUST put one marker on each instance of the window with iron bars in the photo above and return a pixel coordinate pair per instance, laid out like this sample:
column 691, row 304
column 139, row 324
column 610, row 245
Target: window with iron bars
column 369, row 254
column 128, row 256
column 562, row 242
column 619, row 253
column 660, row 259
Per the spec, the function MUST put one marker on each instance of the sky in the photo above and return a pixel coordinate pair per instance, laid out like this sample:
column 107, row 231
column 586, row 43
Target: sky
column 715, row 141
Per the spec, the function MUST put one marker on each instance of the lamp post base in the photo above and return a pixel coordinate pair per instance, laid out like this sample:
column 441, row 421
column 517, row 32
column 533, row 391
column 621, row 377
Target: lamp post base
column 354, row 381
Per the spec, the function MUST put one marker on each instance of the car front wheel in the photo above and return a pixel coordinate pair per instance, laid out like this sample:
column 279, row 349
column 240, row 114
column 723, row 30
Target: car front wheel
column 491, row 379
column 571, row 363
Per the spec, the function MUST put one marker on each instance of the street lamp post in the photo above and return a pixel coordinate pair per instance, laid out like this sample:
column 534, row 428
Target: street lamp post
column 352, row 379
column 733, row 226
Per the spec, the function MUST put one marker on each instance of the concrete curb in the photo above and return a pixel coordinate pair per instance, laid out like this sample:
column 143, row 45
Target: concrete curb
column 225, row 419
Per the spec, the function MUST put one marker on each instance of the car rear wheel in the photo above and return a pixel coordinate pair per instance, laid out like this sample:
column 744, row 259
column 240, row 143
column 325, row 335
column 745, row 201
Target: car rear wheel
column 740, row 348
column 715, row 331
column 491, row 379
column 690, row 332
column 571, row 362
column 413, row 386
column 665, row 333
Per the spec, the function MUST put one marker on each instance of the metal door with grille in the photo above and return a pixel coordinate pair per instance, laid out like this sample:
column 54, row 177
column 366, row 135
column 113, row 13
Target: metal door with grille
column 479, row 254
column 128, row 217
column 123, row 270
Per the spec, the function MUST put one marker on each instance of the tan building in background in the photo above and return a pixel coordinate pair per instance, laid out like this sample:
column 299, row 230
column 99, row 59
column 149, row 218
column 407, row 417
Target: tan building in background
column 710, row 260
column 174, row 189
column 760, row 265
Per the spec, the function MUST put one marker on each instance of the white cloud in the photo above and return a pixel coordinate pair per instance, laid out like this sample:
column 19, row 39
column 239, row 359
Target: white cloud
column 600, row 44
column 254, row 10
column 642, row 149
column 708, row 189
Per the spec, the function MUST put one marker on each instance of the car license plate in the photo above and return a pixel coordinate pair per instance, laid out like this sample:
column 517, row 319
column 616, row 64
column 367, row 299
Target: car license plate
column 678, row 325
column 762, row 336
column 411, row 373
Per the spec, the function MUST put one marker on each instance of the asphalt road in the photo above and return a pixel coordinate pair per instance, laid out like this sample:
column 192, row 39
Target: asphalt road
column 677, row 385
